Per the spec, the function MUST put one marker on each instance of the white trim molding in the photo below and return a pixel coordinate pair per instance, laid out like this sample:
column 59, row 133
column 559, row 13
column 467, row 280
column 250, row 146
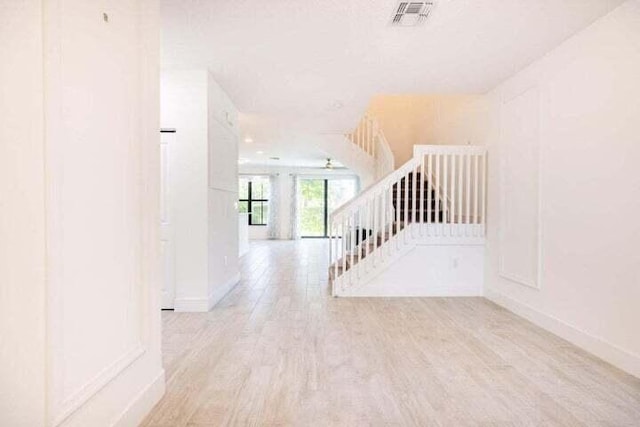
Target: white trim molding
column 220, row 291
column 201, row 305
column 142, row 404
column 533, row 282
column 599, row 347
column 72, row 403
column 191, row 304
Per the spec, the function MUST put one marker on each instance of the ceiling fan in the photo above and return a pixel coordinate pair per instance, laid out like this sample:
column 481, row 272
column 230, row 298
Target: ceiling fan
column 329, row 165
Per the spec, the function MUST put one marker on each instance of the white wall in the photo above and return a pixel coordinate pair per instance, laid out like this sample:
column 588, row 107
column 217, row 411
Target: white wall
column 223, row 265
column 243, row 234
column 566, row 133
column 407, row 120
column 184, row 108
column 429, row 271
column 261, row 232
column 204, row 186
column 102, row 155
column 22, row 217
column 82, row 224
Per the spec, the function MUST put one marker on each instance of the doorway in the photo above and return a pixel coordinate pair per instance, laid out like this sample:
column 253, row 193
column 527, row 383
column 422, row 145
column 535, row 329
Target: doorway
column 318, row 198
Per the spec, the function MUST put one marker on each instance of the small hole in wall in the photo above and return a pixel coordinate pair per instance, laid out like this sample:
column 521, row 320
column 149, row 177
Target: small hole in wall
column 105, row 17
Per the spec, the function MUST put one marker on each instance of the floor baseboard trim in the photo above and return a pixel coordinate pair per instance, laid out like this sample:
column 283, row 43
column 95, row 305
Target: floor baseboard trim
column 191, row 305
column 201, row 305
column 142, row 403
column 597, row 346
column 223, row 290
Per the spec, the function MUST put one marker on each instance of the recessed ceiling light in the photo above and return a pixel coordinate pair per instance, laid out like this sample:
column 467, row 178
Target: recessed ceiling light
column 259, row 152
column 248, row 140
column 242, row 161
column 335, row 106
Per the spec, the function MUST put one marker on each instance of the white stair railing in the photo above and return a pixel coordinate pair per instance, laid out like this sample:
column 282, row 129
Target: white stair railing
column 369, row 138
column 459, row 175
column 384, row 163
column 364, row 134
column 439, row 194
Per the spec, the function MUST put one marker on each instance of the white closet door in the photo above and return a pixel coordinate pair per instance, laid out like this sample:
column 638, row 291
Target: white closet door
column 167, row 240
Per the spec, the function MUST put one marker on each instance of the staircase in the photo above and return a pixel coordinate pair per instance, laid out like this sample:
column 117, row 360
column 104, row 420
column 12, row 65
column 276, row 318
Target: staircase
column 370, row 139
column 364, row 150
column 416, row 205
column 437, row 197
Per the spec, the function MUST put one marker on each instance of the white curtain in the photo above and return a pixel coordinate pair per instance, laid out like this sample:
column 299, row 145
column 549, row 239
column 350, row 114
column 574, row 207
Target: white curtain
column 274, row 207
column 295, row 232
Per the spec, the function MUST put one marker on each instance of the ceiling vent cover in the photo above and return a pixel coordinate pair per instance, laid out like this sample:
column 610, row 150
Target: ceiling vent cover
column 411, row 13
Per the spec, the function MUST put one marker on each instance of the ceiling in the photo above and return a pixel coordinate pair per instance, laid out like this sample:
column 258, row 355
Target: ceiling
column 297, row 69
column 304, row 154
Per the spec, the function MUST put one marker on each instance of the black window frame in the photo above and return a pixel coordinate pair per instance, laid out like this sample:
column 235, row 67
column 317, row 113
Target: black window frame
column 325, row 196
column 250, row 200
column 325, row 214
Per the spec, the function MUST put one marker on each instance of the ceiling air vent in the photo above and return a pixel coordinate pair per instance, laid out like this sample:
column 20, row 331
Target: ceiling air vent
column 411, row 13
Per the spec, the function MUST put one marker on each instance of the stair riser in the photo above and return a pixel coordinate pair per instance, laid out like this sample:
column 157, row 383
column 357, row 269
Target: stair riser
column 416, row 207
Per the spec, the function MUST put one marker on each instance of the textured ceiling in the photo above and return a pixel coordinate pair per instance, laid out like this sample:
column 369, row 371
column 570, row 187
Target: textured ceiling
column 303, row 67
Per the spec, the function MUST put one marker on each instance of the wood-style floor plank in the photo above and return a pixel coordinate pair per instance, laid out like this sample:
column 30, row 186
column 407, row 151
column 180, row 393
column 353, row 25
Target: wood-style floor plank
column 278, row 350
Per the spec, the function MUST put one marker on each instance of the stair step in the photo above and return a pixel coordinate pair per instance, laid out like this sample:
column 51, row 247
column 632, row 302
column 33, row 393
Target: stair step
column 345, row 263
column 425, row 190
column 410, row 206
column 415, row 200
column 401, row 211
column 410, row 181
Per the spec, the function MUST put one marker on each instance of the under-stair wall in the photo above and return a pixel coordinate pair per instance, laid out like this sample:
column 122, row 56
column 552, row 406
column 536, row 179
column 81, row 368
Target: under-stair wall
column 438, row 198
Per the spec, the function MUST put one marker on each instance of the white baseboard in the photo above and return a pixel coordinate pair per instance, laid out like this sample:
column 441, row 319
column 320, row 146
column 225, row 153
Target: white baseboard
column 142, row 403
column 599, row 347
column 220, row 291
column 433, row 293
column 201, row 305
column 191, row 305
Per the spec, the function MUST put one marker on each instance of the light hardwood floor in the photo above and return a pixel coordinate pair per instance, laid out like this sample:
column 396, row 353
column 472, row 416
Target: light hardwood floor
column 279, row 351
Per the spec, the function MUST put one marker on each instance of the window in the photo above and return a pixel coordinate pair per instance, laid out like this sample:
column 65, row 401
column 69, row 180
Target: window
column 320, row 197
column 254, row 198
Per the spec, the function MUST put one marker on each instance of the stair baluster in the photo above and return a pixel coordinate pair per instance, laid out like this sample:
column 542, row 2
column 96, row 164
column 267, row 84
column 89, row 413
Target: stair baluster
column 438, row 194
